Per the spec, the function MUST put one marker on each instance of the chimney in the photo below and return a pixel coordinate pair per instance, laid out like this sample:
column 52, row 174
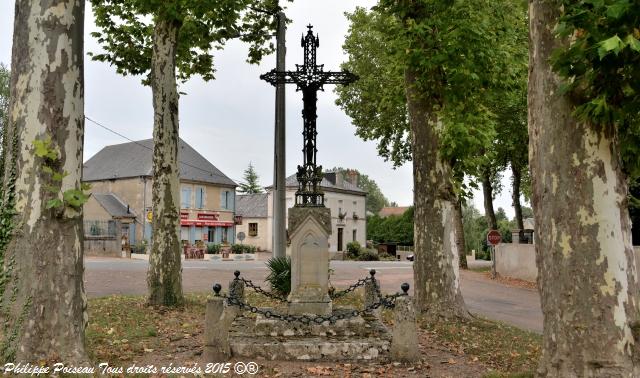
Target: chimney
column 339, row 178
column 352, row 176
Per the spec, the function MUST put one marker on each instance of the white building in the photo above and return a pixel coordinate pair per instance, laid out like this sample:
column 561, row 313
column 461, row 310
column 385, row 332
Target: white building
column 342, row 195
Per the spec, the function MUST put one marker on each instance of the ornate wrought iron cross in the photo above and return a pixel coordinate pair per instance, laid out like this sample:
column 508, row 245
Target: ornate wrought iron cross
column 309, row 78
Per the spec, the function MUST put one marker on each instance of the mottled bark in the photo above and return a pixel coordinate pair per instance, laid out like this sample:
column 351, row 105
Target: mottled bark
column 516, row 182
column 164, row 278
column 43, row 304
column 487, row 191
column 587, row 271
column 460, row 241
column 436, row 272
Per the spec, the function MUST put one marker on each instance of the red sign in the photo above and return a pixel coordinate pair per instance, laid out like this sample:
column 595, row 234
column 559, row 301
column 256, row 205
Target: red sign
column 184, row 215
column 208, row 216
column 203, row 223
column 494, row 237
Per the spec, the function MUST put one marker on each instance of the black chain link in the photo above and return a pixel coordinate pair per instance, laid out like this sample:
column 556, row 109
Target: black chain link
column 386, row 301
column 342, row 293
column 259, row 290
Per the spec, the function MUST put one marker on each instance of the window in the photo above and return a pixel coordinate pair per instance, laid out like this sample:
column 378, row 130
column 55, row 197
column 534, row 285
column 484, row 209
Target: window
column 185, row 202
column 355, row 234
column 199, row 197
column 227, row 200
column 253, row 229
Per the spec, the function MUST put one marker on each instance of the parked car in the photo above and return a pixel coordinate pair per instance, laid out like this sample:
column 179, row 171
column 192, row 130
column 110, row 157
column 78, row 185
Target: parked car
column 410, row 257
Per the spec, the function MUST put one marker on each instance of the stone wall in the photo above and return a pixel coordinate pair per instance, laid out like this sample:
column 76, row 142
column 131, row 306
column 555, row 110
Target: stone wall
column 102, row 246
column 517, row 261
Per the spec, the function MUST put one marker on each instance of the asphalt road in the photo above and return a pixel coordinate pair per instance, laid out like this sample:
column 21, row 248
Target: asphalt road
column 493, row 300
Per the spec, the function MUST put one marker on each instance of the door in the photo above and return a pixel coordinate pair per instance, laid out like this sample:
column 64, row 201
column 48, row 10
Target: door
column 340, row 237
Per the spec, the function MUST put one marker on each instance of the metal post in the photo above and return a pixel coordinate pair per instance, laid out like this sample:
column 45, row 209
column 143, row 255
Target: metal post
column 279, row 167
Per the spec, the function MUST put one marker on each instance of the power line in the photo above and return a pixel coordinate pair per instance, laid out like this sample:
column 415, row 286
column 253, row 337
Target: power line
column 151, row 149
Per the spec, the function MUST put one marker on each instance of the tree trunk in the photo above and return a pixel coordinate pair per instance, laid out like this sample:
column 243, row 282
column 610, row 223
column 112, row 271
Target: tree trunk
column 436, row 274
column 515, row 195
column 462, row 248
column 487, row 191
column 164, row 278
column 43, row 299
column 587, row 270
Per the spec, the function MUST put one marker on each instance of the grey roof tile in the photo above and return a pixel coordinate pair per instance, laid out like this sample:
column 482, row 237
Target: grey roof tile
column 113, row 205
column 135, row 159
column 252, row 205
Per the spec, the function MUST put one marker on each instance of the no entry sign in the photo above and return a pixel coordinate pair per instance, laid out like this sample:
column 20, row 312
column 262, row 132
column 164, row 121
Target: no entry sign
column 494, row 237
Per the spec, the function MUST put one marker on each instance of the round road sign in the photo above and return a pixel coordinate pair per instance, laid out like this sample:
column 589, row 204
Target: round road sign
column 494, row 237
column 241, row 236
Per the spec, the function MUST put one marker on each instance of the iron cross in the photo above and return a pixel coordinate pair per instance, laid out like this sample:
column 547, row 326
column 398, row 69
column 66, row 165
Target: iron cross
column 309, row 78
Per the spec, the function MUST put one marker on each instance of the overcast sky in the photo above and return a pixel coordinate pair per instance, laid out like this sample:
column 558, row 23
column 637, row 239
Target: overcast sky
column 230, row 120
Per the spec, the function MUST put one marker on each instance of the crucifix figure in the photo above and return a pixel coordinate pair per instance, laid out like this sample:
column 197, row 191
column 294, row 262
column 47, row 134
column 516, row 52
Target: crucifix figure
column 309, row 78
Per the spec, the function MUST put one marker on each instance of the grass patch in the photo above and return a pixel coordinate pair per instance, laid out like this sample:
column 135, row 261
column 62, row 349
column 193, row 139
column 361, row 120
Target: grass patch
column 481, row 269
column 512, row 352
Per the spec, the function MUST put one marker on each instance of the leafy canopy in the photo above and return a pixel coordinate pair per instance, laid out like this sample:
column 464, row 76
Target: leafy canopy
column 464, row 55
column 250, row 185
column 601, row 64
column 126, row 32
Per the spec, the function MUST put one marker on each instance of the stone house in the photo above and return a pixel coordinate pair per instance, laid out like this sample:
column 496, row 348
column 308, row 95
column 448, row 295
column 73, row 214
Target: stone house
column 343, row 197
column 256, row 221
column 122, row 173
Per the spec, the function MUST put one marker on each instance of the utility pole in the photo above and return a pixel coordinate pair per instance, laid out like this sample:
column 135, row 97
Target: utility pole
column 279, row 166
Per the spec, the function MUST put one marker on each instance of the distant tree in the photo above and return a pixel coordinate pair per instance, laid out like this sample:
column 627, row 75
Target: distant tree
column 527, row 212
column 394, row 228
column 164, row 41
column 250, row 184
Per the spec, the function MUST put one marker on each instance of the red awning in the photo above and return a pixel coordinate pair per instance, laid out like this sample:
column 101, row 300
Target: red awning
column 205, row 223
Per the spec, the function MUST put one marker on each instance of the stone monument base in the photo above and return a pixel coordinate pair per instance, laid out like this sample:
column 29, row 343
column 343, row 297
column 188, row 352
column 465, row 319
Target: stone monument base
column 358, row 338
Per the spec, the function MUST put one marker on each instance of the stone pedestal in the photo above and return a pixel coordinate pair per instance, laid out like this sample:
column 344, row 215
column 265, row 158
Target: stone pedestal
column 309, row 230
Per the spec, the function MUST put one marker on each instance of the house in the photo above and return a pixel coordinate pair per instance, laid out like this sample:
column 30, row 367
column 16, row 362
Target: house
column 256, row 223
column 343, row 197
column 121, row 181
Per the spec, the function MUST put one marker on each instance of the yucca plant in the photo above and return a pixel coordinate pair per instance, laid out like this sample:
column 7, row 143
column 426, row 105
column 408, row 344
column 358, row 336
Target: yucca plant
column 279, row 277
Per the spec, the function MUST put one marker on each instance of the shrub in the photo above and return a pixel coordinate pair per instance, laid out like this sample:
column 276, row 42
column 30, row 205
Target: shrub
column 367, row 255
column 243, row 248
column 353, row 249
column 213, row 248
column 279, row 277
column 139, row 248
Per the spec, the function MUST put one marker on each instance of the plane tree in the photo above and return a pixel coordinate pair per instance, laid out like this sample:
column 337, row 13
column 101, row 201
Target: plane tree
column 165, row 41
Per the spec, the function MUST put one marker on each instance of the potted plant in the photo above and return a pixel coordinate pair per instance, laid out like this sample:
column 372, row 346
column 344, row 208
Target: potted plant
column 213, row 250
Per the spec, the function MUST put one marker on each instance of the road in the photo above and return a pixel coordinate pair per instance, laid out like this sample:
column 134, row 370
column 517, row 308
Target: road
column 493, row 300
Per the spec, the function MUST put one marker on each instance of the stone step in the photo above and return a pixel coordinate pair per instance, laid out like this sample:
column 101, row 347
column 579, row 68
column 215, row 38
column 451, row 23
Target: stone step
column 331, row 348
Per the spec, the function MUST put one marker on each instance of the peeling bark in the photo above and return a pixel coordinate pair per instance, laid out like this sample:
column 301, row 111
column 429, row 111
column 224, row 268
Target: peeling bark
column 516, row 177
column 164, row 278
column 436, row 274
column 460, row 241
column 43, row 306
column 487, row 191
column 587, row 271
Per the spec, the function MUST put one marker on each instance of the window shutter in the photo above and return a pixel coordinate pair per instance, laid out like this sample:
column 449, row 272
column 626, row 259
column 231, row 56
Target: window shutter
column 199, row 195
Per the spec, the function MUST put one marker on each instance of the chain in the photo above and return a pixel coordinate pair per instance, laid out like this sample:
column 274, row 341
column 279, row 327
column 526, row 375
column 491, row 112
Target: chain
column 342, row 293
column 387, row 301
column 260, row 290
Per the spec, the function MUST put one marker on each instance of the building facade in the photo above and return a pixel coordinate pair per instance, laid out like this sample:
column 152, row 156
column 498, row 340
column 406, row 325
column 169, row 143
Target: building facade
column 346, row 201
column 124, row 171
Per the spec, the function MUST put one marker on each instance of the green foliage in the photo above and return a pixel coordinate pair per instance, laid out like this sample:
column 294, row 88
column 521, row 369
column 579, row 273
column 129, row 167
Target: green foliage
column 354, row 249
column 468, row 54
column 250, row 184
column 243, row 248
column 125, row 32
column 139, row 247
column 279, row 277
column 50, row 154
column 600, row 62
column 367, row 255
column 213, row 248
column 397, row 229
